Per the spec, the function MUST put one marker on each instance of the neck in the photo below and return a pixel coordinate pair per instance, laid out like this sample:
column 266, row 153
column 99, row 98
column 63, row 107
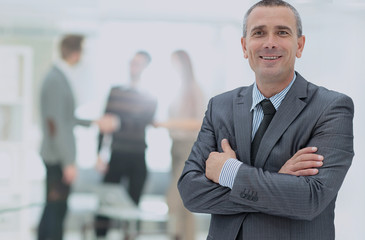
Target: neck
column 134, row 82
column 272, row 86
column 69, row 62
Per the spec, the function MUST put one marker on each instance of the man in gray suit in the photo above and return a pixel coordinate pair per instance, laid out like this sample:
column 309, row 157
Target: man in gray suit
column 58, row 148
column 288, row 191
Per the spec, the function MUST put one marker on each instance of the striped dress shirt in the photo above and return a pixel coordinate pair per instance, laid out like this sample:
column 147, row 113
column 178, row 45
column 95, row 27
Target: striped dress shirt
column 231, row 166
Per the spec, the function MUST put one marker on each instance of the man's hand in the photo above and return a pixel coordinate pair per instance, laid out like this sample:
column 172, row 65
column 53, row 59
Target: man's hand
column 69, row 174
column 304, row 163
column 51, row 127
column 101, row 166
column 108, row 123
column 216, row 160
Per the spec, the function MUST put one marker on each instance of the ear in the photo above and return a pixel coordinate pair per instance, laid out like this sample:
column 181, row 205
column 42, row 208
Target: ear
column 243, row 43
column 301, row 42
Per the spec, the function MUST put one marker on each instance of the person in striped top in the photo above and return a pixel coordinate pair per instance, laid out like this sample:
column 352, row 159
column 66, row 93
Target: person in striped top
column 135, row 109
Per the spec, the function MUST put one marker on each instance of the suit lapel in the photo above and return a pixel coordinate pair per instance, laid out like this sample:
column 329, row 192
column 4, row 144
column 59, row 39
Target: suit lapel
column 289, row 109
column 243, row 124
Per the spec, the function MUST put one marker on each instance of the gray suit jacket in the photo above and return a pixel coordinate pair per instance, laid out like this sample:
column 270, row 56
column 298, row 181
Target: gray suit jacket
column 57, row 106
column 269, row 205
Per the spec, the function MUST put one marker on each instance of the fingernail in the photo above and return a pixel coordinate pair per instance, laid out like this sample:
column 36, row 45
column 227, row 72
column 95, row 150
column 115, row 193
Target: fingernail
column 320, row 157
column 314, row 149
column 319, row 163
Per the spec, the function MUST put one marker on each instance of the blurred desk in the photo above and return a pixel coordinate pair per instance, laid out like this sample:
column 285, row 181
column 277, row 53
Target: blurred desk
column 150, row 217
column 18, row 207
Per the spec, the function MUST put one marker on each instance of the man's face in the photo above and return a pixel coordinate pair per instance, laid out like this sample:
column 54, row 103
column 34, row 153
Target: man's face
column 74, row 58
column 137, row 64
column 271, row 43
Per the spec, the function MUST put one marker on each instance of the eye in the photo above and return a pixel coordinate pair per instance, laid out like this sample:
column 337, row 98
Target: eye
column 283, row 33
column 258, row 33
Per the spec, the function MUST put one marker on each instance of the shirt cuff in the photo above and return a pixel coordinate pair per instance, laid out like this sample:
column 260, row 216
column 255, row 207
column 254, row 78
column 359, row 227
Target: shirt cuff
column 229, row 172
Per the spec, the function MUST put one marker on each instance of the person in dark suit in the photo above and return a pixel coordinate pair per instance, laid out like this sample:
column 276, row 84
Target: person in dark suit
column 58, row 148
column 136, row 109
column 284, row 186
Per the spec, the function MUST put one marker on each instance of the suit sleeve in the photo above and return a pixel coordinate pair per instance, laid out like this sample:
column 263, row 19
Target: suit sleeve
column 83, row 122
column 57, row 115
column 198, row 193
column 304, row 197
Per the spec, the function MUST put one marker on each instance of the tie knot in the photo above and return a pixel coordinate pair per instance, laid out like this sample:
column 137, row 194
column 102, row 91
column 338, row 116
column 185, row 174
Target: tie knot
column 267, row 107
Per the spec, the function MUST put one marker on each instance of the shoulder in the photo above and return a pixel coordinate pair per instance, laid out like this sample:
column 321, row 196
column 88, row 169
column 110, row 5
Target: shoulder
column 118, row 92
column 229, row 96
column 327, row 96
column 54, row 78
column 319, row 95
column 321, row 99
column 116, row 89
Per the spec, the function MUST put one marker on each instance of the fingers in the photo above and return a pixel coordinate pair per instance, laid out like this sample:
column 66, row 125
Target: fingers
column 69, row 174
column 216, row 160
column 225, row 145
column 108, row 123
column 305, row 151
column 227, row 149
column 305, row 162
column 306, row 165
column 306, row 172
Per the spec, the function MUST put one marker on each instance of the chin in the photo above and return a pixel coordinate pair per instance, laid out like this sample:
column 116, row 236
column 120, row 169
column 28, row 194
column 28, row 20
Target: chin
column 270, row 73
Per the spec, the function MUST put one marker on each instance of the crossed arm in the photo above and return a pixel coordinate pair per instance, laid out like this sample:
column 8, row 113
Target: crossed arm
column 298, row 190
column 304, row 162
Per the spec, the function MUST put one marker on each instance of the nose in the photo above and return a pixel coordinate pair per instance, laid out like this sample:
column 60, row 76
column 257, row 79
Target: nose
column 270, row 41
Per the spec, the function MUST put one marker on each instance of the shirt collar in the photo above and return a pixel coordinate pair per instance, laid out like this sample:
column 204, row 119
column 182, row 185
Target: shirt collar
column 276, row 100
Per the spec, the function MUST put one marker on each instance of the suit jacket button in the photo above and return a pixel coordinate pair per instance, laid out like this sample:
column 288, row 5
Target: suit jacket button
column 255, row 198
column 243, row 195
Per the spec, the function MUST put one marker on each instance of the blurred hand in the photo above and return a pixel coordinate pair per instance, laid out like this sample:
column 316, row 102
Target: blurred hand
column 156, row 124
column 101, row 166
column 69, row 174
column 304, row 163
column 216, row 160
column 108, row 123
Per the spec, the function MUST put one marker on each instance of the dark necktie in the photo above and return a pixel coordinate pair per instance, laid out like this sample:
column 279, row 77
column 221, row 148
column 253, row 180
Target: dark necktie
column 269, row 112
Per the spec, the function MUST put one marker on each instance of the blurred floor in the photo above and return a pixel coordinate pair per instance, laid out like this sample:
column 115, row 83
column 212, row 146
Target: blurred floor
column 81, row 214
column 116, row 235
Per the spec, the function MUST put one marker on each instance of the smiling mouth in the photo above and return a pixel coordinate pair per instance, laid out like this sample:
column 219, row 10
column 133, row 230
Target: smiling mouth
column 270, row 58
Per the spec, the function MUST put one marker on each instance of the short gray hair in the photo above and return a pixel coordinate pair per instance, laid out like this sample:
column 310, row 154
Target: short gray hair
column 274, row 3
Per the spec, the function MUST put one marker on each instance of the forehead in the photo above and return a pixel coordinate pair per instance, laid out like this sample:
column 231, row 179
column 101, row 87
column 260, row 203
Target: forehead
column 271, row 17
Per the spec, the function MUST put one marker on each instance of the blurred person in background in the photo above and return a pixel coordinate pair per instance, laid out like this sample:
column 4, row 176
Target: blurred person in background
column 135, row 109
column 58, row 147
column 185, row 118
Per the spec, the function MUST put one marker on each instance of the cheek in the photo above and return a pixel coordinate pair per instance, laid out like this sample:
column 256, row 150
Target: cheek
column 249, row 54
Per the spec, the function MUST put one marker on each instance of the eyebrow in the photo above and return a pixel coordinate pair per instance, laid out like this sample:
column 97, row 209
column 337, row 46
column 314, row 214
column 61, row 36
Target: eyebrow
column 257, row 28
